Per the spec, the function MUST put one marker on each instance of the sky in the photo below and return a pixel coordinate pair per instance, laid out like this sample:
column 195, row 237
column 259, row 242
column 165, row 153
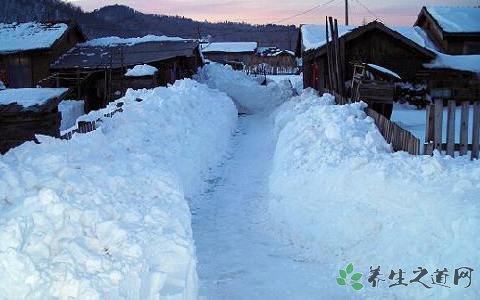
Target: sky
column 390, row 12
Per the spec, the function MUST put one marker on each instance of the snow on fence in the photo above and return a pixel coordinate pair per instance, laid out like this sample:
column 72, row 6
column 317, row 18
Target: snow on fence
column 88, row 126
column 434, row 132
column 399, row 138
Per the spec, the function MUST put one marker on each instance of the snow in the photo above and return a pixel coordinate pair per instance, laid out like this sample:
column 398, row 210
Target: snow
column 247, row 93
column 28, row 97
column 141, row 70
column 114, row 41
column 18, row 37
column 340, row 195
column 229, row 47
column 456, row 19
column 70, row 110
column 105, row 215
column 314, row 36
column 385, row 70
column 457, row 62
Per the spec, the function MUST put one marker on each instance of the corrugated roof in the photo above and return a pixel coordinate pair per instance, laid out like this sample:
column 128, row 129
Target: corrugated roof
column 84, row 56
column 19, row 37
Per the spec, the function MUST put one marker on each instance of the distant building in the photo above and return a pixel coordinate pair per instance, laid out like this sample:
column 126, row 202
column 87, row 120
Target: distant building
column 277, row 61
column 230, row 52
column 97, row 70
column 28, row 49
column 454, row 30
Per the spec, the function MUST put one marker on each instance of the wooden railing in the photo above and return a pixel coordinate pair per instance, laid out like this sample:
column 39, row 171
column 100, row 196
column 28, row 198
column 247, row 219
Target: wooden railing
column 434, row 132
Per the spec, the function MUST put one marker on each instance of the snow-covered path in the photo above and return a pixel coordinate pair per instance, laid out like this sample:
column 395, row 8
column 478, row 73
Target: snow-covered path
column 238, row 255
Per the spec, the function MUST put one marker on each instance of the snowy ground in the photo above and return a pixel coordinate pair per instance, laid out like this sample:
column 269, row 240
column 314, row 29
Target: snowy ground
column 104, row 215
column 239, row 255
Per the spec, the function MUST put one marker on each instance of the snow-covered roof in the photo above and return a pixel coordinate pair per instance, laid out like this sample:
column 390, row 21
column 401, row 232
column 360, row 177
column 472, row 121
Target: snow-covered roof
column 314, row 36
column 28, row 97
column 384, row 70
column 232, row 47
column 114, row 41
column 456, row 19
column 141, row 70
column 18, row 37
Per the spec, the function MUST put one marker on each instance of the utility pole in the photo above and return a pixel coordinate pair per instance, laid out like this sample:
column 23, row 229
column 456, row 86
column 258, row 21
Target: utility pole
column 346, row 12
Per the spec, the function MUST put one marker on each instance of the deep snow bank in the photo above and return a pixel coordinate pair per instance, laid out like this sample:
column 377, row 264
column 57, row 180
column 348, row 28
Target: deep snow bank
column 104, row 216
column 338, row 192
column 247, row 92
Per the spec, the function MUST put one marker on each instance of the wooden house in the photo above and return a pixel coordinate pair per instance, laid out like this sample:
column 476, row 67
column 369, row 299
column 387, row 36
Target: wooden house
column 278, row 61
column 26, row 112
column 454, row 30
column 96, row 70
column 230, row 52
column 28, row 49
column 373, row 43
column 407, row 51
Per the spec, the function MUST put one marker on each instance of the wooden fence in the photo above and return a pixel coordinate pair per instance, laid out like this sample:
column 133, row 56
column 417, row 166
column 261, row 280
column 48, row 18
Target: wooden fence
column 88, row 126
column 434, row 131
column 399, row 138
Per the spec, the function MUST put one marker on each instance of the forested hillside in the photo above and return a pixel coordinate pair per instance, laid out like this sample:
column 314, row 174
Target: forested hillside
column 125, row 21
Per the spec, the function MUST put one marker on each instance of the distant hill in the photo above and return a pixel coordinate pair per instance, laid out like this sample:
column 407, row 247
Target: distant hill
column 124, row 21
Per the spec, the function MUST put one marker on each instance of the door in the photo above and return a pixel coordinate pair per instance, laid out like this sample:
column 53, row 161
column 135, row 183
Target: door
column 19, row 71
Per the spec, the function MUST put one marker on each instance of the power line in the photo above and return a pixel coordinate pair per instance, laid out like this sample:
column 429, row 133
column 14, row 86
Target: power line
column 305, row 12
column 369, row 11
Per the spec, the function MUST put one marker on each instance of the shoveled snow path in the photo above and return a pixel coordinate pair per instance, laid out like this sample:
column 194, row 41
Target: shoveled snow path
column 239, row 256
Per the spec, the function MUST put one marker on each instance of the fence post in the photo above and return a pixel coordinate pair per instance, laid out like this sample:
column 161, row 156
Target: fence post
column 438, row 120
column 476, row 129
column 429, row 133
column 451, row 128
column 464, row 129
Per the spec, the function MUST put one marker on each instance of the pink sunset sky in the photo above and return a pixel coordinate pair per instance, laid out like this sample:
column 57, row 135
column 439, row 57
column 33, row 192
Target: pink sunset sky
column 391, row 12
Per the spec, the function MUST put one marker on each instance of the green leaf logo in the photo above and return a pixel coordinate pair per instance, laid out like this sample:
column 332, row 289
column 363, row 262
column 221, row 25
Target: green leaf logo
column 343, row 280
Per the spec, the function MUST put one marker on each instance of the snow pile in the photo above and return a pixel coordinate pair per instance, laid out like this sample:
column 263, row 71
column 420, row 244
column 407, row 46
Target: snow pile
column 247, row 92
column 104, row 215
column 235, row 47
column 28, row 97
column 29, row 36
column 141, row 70
column 338, row 192
column 113, row 41
column 70, row 110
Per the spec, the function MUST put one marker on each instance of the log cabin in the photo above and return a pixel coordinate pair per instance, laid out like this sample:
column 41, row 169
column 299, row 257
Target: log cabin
column 454, row 30
column 28, row 49
column 96, row 70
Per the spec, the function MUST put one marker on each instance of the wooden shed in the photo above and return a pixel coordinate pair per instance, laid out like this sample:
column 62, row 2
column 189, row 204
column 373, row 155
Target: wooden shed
column 454, row 30
column 398, row 49
column 226, row 52
column 95, row 70
column 28, row 49
column 26, row 112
